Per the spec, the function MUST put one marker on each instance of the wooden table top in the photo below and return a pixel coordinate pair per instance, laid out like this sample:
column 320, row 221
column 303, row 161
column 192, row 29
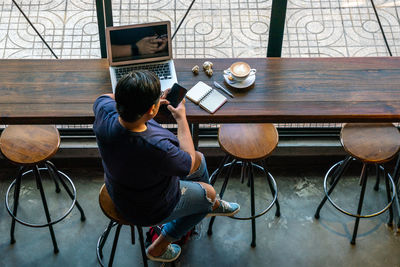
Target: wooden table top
column 286, row 90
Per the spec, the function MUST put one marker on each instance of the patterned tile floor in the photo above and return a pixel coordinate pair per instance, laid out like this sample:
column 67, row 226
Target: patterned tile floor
column 213, row 28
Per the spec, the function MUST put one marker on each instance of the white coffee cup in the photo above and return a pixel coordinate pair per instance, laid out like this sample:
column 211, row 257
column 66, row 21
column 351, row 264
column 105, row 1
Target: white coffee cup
column 241, row 70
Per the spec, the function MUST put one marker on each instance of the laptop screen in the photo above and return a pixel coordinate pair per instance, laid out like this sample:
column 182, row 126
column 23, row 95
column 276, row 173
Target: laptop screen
column 139, row 43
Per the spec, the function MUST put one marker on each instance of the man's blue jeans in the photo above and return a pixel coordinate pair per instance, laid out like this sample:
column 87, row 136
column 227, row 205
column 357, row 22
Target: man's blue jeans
column 192, row 207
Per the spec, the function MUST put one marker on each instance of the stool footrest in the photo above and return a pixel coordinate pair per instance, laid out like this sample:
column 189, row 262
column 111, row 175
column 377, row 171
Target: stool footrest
column 73, row 197
column 103, row 238
column 327, row 194
column 247, row 170
column 275, row 197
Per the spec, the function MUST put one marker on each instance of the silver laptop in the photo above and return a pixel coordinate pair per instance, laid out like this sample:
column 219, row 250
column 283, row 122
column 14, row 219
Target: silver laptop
column 139, row 47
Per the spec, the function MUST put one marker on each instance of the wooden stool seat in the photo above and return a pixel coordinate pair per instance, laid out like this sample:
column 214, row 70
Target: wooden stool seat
column 371, row 142
column 250, row 142
column 108, row 207
column 29, row 144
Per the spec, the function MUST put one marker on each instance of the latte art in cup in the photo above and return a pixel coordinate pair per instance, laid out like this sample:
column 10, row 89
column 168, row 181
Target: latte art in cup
column 241, row 70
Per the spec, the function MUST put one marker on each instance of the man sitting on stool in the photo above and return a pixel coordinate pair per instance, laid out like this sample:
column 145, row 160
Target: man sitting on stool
column 152, row 176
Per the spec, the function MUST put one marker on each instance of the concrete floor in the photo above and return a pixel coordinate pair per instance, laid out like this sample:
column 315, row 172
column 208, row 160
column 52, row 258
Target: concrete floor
column 294, row 239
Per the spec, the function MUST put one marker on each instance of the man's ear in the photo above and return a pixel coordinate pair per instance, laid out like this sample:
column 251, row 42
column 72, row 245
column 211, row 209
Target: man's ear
column 152, row 110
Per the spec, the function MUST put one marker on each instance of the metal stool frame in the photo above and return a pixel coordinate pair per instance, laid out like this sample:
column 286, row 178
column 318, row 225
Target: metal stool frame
column 103, row 238
column 54, row 174
column 247, row 169
column 396, row 178
column 338, row 169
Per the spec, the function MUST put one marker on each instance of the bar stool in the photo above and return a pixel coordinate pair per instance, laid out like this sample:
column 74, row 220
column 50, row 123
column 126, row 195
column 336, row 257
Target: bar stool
column 372, row 144
column 28, row 146
column 244, row 145
column 109, row 210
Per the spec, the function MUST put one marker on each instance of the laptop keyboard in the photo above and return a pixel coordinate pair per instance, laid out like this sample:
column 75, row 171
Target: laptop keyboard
column 161, row 70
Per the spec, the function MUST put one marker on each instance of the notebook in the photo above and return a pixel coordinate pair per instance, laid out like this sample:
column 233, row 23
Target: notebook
column 206, row 97
column 141, row 47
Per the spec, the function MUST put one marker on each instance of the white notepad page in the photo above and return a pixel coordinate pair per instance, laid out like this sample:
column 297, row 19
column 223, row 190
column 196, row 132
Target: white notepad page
column 197, row 92
column 213, row 101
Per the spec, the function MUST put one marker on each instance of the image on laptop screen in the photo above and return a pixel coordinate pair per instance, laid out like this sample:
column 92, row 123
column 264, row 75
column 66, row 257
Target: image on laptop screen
column 139, row 43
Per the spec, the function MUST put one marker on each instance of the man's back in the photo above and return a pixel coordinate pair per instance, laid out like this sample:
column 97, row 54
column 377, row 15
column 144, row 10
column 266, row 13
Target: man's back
column 142, row 169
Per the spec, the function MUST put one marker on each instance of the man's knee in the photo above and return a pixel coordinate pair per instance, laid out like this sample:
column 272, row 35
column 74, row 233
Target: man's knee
column 210, row 191
column 199, row 154
column 198, row 158
column 197, row 162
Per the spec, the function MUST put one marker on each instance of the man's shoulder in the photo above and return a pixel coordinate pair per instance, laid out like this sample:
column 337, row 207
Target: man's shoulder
column 102, row 102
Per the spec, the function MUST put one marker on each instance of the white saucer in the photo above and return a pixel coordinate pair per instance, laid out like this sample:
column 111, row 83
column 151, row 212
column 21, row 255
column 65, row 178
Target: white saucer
column 243, row 84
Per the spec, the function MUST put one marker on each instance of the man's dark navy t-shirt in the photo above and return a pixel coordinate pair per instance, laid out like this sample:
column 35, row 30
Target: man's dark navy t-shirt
column 142, row 169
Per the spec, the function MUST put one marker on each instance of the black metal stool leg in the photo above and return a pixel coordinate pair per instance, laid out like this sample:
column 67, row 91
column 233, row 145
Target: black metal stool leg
column 16, row 199
column 243, row 173
column 396, row 172
column 219, row 170
column 71, row 195
column 248, row 175
column 253, row 212
column 114, row 246
column 376, row 187
column 104, row 238
column 398, row 213
column 143, row 249
column 53, row 176
column 221, row 194
column 278, row 208
column 337, row 170
column 396, row 175
column 389, row 197
column 46, row 210
column 364, row 177
column 133, row 235
column 343, row 166
column 397, row 202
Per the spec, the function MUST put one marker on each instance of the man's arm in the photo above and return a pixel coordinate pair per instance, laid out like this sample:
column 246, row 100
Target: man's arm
column 96, row 103
column 184, row 136
column 119, row 51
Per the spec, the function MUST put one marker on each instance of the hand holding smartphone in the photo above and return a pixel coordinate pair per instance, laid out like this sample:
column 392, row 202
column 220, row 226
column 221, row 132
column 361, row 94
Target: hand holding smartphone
column 176, row 94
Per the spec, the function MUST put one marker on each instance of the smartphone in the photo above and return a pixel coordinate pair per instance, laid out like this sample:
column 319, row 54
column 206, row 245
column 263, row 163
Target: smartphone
column 176, row 94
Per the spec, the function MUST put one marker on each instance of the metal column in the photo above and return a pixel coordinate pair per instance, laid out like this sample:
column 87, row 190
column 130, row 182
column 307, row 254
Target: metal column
column 276, row 28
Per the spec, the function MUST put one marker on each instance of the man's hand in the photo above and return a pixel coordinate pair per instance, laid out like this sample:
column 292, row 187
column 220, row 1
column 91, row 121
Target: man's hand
column 179, row 113
column 162, row 44
column 163, row 100
column 150, row 45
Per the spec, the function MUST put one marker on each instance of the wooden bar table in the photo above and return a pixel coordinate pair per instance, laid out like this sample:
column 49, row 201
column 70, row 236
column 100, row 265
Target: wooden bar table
column 308, row 90
column 286, row 90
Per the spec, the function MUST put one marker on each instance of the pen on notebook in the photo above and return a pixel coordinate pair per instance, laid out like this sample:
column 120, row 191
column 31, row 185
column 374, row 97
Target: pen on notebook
column 223, row 89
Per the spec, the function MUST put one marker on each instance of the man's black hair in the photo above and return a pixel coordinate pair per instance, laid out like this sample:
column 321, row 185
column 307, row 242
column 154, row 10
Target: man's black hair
column 135, row 93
